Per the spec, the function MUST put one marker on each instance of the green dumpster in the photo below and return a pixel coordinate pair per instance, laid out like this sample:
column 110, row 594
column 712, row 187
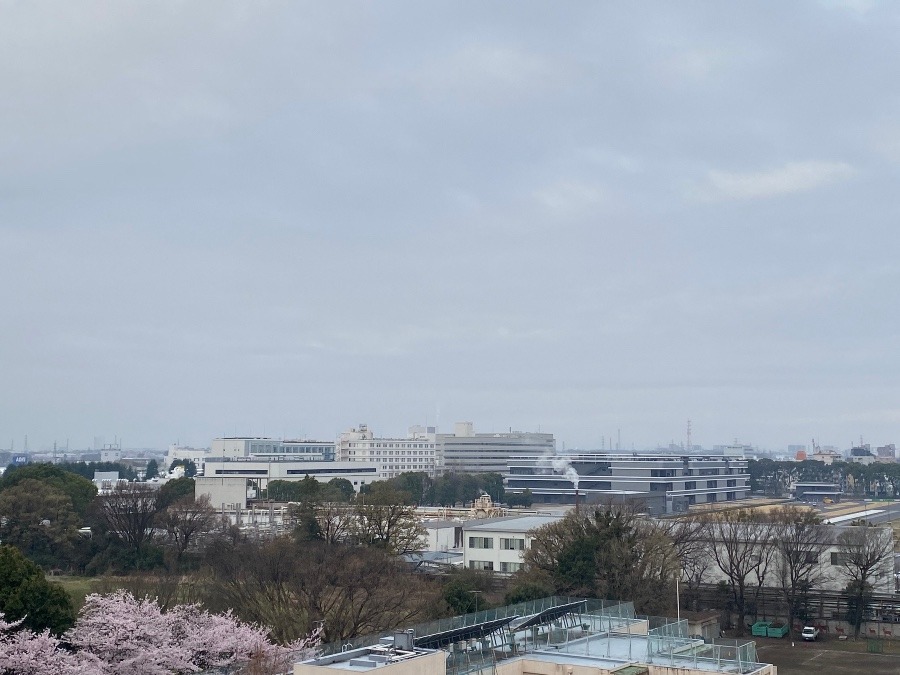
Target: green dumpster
column 760, row 628
column 777, row 629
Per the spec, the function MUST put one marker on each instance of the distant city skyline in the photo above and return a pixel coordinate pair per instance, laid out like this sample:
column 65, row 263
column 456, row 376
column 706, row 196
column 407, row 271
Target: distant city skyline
column 606, row 442
column 287, row 218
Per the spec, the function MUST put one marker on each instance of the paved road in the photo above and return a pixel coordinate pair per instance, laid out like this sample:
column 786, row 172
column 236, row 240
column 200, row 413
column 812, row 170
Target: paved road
column 889, row 511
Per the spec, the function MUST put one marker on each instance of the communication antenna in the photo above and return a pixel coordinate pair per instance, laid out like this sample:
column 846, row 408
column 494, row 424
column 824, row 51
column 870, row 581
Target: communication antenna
column 689, row 446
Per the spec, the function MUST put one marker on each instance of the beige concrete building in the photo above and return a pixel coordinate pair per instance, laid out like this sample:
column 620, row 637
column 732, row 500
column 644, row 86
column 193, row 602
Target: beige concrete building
column 550, row 636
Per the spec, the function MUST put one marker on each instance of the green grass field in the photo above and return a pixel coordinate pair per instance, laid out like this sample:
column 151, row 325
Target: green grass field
column 78, row 587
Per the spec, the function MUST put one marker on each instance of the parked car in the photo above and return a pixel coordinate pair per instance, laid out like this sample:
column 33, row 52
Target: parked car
column 810, row 633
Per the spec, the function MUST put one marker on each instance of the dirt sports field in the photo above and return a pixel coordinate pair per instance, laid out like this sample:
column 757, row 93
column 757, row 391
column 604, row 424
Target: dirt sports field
column 828, row 658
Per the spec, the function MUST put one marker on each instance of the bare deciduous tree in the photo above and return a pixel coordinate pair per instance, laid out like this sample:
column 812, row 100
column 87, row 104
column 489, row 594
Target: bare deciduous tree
column 290, row 586
column 186, row 520
column 864, row 553
column 800, row 540
column 129, row 511
column 335, row 521
column 383, row 521
column 739, row 545
column 693, row 552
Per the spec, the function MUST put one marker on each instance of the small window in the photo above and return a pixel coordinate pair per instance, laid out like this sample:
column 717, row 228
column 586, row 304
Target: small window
column 487, row 565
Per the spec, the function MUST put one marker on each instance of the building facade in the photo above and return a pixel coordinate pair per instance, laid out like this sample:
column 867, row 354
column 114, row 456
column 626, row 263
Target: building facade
column 255, row 473
column 499, row 544
column 245, row 446
column 680, row 481
column 418, row 452
column 248, row 447
column 465, row 451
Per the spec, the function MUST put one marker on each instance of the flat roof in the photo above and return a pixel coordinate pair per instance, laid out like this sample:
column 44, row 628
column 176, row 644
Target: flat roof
column 437, row 523
column 513, row 524
column 584, row 491
column 368, row 658
column 616, row 649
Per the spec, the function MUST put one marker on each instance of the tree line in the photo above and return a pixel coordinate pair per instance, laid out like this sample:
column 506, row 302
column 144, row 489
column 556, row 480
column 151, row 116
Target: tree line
column 614, row 553
column 774, row 478
column 340, row 566
column 455, row 489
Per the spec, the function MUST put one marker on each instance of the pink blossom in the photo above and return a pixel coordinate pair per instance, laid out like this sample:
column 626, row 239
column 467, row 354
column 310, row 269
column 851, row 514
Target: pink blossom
column 23, row 652
column 122, row 635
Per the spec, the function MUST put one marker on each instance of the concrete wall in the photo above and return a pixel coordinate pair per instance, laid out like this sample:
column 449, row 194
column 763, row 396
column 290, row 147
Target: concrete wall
column 226, row 490
column 526, row 666
column 440, row 537
column 432, row 664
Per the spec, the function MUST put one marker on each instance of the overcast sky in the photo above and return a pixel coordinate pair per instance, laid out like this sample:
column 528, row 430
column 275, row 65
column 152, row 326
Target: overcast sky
column 286, row 218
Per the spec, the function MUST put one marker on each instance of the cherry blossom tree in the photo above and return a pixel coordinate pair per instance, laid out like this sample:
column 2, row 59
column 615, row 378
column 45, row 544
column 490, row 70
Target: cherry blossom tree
column 122, row 635
column 24, row 652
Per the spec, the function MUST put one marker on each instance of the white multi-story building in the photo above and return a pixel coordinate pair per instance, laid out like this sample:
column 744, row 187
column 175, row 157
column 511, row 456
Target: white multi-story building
column 245, row 446
column 499, row 544
column 425, row 450
column 253, row 447
column 470, row 452
column 111, row 453
column 196, row 455
column 418, row 452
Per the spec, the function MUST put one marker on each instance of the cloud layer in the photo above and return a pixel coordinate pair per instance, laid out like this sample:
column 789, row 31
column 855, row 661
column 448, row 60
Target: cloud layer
column 790, row 178
column 287, row 218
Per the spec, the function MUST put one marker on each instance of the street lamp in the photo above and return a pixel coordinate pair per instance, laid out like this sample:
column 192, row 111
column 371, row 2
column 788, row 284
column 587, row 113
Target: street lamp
column 677, row 595
column 476, row 594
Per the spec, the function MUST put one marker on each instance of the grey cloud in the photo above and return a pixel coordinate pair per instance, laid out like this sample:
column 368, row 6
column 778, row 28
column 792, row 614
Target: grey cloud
column 296, row 216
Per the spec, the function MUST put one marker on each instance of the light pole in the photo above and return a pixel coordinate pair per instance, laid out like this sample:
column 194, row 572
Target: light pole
column 677, row 596
column 476, row 594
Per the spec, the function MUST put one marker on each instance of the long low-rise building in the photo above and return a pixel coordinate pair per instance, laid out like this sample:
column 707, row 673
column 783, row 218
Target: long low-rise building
column 830, row 569
column 254, row 447
column 232, row 480
column 670, row 483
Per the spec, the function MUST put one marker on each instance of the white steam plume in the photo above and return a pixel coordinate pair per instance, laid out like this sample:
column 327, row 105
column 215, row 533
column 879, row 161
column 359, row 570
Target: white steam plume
column 564, row 466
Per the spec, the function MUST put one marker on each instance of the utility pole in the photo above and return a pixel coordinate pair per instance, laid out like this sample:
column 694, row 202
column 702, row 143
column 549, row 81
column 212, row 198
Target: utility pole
column 476, row 594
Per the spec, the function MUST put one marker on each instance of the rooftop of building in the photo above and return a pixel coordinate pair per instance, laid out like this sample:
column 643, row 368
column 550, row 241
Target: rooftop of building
column 633, row 456
column 510, row 523
column 602, row 635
